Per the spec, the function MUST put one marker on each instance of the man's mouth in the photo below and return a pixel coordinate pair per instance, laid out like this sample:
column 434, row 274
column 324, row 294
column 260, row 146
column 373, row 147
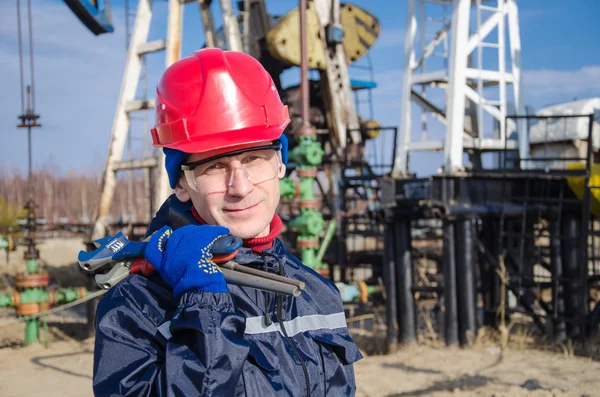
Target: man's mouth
column 239, row 210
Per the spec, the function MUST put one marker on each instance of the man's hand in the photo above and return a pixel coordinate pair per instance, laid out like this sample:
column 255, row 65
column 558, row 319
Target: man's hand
column 183, row 258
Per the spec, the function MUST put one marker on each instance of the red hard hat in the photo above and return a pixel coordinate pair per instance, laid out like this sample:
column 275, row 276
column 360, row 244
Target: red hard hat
column 216, row 99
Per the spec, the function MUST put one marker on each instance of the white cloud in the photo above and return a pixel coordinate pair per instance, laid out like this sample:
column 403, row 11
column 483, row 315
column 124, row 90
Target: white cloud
column 564, row 83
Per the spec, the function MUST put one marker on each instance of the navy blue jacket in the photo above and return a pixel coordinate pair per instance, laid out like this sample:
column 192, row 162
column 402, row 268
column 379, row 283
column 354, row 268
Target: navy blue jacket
column 242, row 343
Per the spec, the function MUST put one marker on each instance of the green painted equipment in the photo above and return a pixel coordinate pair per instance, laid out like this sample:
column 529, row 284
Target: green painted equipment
column 308, row 152
column 287, row 188
column 36, row 299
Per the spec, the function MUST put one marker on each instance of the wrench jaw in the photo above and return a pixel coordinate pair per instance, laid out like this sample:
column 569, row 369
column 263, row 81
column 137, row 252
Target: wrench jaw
column 109, row 249
column 103, row 241
column 115, row 252
column 118, row 272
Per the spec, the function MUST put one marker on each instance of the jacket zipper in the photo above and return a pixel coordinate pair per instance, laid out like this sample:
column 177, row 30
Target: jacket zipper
column 289, row 341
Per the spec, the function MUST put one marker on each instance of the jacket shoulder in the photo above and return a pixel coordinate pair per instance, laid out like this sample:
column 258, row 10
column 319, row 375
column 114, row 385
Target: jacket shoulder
column 139, row 296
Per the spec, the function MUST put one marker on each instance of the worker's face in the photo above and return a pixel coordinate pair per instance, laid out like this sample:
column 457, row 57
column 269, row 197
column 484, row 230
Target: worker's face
column 223, row 194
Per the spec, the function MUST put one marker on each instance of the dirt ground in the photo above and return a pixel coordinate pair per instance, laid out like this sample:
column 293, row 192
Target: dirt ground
column 65, row 367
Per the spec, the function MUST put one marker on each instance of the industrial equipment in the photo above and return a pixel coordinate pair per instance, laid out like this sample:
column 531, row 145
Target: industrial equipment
column 514, row 232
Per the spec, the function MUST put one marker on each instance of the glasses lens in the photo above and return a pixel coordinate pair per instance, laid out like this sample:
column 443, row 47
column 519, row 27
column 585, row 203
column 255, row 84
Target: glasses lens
column 217, row 176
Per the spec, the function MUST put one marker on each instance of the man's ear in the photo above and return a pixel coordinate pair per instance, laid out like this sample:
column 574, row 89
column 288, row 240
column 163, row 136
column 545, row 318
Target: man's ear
column 181, row 189
column 281, row 172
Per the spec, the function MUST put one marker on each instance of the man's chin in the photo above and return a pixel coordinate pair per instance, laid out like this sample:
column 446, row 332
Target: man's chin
column 244, row 233
column 246, row 230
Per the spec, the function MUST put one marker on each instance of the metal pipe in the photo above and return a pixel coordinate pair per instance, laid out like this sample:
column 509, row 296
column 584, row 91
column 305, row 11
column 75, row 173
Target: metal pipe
column 570, row 257
column 342, row 238
column 558, row 303
column 465, row 282
column 438, row 289
column 451, row 317
column 562, row 116
column 308, row 153
column 231, row 27
column 247, row 280
column 390, row 288
column 489, row 276
column 259, row 273
column 482, row 209
column 304, row 92
column 207, row 20
column 526, row 247
column 404, row 297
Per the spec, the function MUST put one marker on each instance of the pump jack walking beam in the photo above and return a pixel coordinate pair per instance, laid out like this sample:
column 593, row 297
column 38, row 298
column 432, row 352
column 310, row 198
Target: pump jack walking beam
column 340, row 107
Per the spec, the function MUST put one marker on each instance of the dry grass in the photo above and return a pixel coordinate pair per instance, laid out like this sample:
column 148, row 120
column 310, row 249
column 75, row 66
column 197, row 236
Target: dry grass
column 520, row 337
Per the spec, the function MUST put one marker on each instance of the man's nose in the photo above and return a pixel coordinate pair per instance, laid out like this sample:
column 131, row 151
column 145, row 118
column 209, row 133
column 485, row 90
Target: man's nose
column 240, row 183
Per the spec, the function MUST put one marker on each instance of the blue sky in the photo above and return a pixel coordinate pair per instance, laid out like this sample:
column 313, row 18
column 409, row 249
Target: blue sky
column 78, row 75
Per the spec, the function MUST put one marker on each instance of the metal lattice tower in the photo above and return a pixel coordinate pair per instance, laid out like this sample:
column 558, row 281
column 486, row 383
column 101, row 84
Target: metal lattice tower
column 127, row 104
column 476, row 70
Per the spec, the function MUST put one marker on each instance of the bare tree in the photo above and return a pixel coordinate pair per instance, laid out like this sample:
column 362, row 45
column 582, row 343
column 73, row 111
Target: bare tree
column 71, row 197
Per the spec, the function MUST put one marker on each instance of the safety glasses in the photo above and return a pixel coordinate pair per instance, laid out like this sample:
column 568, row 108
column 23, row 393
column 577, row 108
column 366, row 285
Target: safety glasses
column 217, row 174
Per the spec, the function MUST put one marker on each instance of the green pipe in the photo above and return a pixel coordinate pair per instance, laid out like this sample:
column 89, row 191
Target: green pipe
column 308, row 256
column 32, row 332
column 373, row 289
column 307, row 191
column 32, row 266
column 329, row 233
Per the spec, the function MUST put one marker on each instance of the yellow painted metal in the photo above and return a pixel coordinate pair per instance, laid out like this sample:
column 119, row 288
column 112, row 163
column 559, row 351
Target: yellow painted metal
column 364, row 292
column 361, row 30
column 576, row 183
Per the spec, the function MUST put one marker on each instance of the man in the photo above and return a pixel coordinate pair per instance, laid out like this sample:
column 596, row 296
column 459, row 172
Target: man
column 181, row 331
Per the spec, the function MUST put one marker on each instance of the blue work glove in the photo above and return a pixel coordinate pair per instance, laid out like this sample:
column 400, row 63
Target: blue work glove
column 183, row 258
